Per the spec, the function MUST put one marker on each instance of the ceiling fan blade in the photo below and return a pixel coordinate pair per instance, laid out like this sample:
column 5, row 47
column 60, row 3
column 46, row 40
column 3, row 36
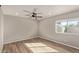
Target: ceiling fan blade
column 27, row 11
column 39, row 13
column 27, row 14
column 40, row 16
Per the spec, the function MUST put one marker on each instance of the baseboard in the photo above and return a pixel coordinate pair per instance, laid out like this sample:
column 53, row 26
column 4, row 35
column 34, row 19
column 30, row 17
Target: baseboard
column 19, row 40
column 47, row 38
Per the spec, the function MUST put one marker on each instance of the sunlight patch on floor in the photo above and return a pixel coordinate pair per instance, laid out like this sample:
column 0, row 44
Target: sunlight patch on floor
column 40, row 47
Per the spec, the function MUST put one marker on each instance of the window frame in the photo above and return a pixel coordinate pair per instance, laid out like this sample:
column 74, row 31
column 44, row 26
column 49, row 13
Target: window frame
column 67, row 20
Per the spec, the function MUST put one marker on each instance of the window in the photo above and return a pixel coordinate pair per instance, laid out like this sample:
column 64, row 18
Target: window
column 67, row 26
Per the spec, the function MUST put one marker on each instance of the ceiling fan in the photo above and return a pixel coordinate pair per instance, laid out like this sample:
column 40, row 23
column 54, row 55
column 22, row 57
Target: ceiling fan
column 33, row 14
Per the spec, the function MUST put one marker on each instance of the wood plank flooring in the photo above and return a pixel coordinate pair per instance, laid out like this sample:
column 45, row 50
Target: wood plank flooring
column 44, row 46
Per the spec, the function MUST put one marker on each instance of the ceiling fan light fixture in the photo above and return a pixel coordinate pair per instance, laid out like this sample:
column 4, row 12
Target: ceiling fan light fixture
column 34, row 14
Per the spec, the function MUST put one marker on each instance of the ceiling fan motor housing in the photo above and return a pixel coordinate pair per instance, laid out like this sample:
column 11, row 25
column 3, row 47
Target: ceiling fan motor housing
column 34, row 14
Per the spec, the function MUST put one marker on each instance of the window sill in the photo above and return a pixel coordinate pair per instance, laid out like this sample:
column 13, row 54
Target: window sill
column 75, row 34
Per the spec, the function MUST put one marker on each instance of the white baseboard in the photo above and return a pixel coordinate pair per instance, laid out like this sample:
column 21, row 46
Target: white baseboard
column 19, row 40
column 47, row 38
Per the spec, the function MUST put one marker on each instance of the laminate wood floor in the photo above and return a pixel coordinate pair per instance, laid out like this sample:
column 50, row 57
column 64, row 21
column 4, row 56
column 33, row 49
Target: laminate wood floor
column 37, row 45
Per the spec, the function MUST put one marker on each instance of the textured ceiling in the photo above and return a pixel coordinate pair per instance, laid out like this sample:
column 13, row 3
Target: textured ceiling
column 46, row 10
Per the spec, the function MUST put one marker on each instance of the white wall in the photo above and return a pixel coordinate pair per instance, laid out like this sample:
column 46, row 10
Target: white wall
column 1, row 37
column 18, row 28
column 47, row 30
